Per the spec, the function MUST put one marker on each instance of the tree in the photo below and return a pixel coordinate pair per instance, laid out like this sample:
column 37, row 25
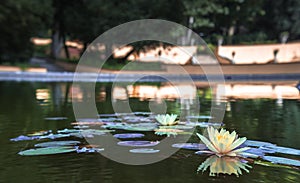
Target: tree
column 19, row 21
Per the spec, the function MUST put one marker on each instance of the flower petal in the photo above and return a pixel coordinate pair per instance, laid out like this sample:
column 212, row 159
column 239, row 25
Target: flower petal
column 237, row 143
column 207, row 143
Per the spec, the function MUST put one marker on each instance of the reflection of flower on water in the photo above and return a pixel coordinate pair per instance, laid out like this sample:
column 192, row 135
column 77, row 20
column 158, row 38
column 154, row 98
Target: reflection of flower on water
column 224, row 165
column 223, row 143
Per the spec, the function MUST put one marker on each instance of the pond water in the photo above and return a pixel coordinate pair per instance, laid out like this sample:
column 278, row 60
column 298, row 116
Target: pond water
column 29, row 107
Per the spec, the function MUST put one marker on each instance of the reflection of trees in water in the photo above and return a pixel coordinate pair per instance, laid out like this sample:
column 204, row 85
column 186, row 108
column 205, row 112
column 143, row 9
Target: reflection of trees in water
column 263, row 119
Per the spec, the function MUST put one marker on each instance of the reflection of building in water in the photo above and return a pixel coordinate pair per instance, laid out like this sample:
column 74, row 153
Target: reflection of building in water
column 244, row 91
column 42, row 95
column 101, row 96
column 76, row 93
column 146, row 92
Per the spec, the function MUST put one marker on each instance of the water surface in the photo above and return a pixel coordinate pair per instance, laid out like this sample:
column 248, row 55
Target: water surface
column 24, row 107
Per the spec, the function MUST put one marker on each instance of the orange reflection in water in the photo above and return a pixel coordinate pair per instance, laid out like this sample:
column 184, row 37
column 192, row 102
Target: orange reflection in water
column 42, row 94
column 146, row 92
column 248, row 91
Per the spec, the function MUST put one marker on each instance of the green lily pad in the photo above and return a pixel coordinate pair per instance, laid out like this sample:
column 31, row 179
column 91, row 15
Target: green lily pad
column 144, row 151
column 68, row 131
column 47, row 151
column 55, row 118
column 57, row 143
column 285, row 150
column 140, row 143
column 180, row 127
column 140, row 128
column 281, row 160
column 255, row 143
column 198, row 117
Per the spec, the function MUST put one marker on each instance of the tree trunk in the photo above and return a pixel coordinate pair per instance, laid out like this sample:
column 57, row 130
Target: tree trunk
column 56, row 45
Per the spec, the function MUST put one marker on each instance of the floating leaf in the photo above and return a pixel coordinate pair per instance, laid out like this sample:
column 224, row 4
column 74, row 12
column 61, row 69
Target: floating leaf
column 281, row 160
column 81, row 126
column 55, row 118
column 144, row 151
column 88, row 123
column 88, row 149
column 180, row 127
column 57, row 143
column 255, row 143
column 119, row 126
column 252, row 153
column 198, row 117
column 47, row 151
column 285, row 150
column 39, row 133
column 140, row 128
column 267, row 150
column 23, row 138
column 190, row 146
column 143, row 113
column 204, row 124
column 129, row 135
column 68, row 131
column 138, row 143
column 54, row 136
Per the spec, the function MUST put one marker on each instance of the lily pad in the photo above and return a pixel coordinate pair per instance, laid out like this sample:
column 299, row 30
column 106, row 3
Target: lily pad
column 138, row 143
column 47, row 151
column 255, row 143
column 39, row 133
column 88, row 150
column 190, row 146
column 111, row 119
column 57, row 143
column 199, row 117
column 180, row 127
column 204, row 124
column 129, row 135
column 81, row 126
column 281, row 160
column 68, row 131
column 267, row 150
column 113, row 125
column 23, row 138
column 88, row 123
column 252, row 153
column 55, row 118
column 144, row 151
column 285, row 150
column 53, row 136
column 143, row 113
column 140, row 128
column 255, row 151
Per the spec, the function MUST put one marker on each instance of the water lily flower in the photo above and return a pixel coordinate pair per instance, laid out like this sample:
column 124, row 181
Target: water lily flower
column 224, row 165
column 223, row 143
column 166, row 119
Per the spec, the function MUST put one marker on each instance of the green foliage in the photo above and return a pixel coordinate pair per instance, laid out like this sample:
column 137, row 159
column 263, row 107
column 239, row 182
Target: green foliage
column 19, row 20
column 237, row 21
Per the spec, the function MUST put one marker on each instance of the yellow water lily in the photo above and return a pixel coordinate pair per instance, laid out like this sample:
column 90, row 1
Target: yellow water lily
column 166, row 119
column 224, row 165
column 223, row 143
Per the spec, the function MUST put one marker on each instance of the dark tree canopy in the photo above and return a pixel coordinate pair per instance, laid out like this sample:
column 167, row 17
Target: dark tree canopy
column 237, row 21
